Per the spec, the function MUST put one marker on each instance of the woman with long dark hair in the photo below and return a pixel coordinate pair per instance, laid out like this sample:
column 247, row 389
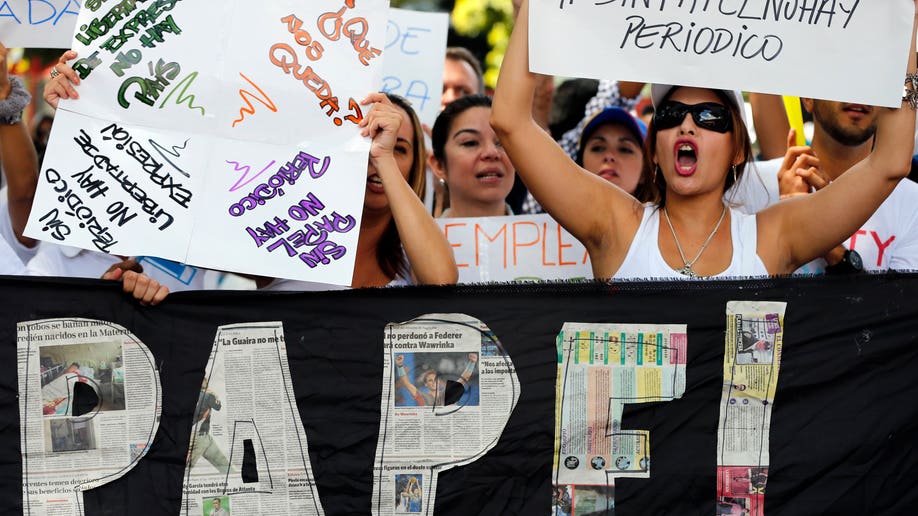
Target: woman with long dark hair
column 697, row 147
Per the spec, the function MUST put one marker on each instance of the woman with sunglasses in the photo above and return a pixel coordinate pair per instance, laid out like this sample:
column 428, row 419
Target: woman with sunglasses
column 697, row 148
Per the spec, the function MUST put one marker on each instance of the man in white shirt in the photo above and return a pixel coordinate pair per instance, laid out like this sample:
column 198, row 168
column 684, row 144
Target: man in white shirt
column 843, row 135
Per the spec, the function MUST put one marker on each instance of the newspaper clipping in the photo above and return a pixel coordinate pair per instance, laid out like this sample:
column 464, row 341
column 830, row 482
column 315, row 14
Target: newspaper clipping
column 248, row 451
column 448, row 390
column 601, row 367
column 89, row 406
column 752, row 360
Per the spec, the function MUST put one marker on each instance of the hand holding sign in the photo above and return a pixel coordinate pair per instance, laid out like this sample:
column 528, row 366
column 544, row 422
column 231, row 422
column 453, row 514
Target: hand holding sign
column 146, row 290
column 61, row 85
column 381, row 124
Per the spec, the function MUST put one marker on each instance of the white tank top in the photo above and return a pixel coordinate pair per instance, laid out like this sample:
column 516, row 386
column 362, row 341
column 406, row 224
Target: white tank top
column 644, row 260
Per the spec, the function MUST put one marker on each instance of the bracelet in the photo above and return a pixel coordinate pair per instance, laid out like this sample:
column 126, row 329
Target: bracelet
column 12, row 106
column 910, row 92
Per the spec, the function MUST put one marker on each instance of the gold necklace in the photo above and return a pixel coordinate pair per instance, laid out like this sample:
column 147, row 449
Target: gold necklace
column 687, row 270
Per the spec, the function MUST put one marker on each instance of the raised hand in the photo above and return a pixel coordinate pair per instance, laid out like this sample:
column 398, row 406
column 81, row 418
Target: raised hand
column 63, row 80
column 799, row 173
column 382, row 124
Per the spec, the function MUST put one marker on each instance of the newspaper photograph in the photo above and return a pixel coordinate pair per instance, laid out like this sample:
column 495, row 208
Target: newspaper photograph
column 752, row 362
column 448, row 390
column 89, row 406
column 582, row 500
column 248, row 452
column 602, row 367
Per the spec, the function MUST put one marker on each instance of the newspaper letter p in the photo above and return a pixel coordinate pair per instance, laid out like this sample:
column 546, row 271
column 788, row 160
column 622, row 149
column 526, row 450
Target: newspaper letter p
column 448, row 390
column 89, row 405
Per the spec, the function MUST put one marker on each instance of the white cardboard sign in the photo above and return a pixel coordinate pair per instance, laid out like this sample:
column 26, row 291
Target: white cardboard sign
column 38, row 23
column 516, row 248
column 846, row 50
column 217, row 135
column 414, row 54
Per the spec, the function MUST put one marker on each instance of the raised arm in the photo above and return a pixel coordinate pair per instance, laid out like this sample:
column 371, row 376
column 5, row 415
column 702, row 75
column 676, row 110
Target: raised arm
column 564, row 189
column 17, row 153
column 771, row 124
column 428, row 251
column 806, row 227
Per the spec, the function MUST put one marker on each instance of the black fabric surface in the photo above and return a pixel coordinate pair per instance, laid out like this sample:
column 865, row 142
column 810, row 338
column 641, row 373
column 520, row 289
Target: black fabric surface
column 844, row 427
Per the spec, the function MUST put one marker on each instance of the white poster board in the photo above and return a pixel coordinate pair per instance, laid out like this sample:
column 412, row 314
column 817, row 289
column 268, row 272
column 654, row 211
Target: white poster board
column 516, row 248
column 845, row 50
column 414, row 55
column 38, row 23
column 221, row 137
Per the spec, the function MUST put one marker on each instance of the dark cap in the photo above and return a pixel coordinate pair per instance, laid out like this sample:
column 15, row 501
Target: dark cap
column 613, row 115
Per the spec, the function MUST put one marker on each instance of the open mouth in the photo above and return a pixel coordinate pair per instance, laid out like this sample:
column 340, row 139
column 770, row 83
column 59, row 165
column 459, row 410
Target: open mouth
column 857, row 111
column 374, row 183
column 686, row 157
column 609, row 174
column 489, row 176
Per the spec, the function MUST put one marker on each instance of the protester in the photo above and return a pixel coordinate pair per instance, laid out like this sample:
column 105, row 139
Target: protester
column 462, row 75
column 698, row 147
column 20, row 166
column 41, row 132
column 608, row 94
column 568, row 104
column 469, row 158
column 611, row 146
column 843, row 135
column 399, row 244
column 644, row 109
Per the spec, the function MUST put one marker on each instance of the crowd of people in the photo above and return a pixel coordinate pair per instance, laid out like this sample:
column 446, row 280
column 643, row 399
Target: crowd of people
column 656, row 181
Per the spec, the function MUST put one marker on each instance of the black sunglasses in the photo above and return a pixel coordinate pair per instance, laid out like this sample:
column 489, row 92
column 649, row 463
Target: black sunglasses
column 707, row 115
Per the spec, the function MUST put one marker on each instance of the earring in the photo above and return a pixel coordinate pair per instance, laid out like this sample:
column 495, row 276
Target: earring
column 656, row 168
column 734, row 173
column 442, row 182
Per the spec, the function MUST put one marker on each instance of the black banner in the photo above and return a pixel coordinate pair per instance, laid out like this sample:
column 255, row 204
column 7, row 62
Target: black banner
column 844, row 437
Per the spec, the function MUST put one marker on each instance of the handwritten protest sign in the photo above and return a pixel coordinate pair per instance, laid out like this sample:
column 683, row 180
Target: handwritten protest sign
column 518, row 248
column 845, row 50
column 413, row 67
column 225, row 137
column 38, row 23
